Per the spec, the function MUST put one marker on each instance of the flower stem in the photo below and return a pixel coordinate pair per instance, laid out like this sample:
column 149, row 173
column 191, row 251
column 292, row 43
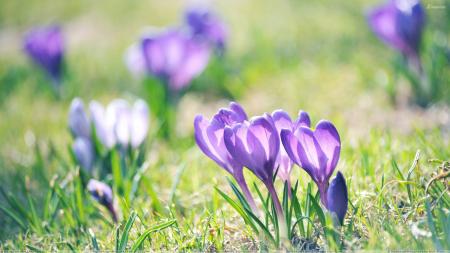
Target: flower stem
column 276, row 202
column 239, row 176
column 323, row 188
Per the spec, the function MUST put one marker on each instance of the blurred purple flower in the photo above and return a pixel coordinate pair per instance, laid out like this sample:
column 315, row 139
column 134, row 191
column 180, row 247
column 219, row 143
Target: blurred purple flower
column 206, row 25
column 78, row 121
column 45, row 47
column 337, row 197
column 175, row 58
column 84, row 153
column 317, row 152
column 255, row 144
column 399, row 23
column 103, row 194
column 209, row 138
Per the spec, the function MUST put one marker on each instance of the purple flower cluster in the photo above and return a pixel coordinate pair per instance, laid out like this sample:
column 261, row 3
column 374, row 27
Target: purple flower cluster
column 400, row 23
column 272, row 142
column 178, row 55
column 45, row 47
column 117, row 125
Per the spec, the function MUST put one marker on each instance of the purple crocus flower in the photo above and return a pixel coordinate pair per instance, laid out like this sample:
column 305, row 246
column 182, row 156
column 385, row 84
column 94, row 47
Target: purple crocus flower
column 102, row 193
column 399, row 23
column 255, row 144
column 337, row 197
column 45, row 47
column 78, row 121
column 84, row 153
column 209, row 136
column 175, row 58
column 206, row 25
column 283, row 121
column 317, row 152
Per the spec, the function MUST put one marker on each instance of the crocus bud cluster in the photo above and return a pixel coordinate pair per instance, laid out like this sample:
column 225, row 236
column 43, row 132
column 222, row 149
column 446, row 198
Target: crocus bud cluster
column 400, row 23
column 273, row 142
column 117, row 125
column 177, row 55
column 45, row 47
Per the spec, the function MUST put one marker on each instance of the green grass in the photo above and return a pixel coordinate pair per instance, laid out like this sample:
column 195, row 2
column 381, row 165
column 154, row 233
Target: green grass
column 317, row 56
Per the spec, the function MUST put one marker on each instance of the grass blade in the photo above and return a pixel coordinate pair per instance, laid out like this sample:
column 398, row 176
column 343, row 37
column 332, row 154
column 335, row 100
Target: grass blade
column 239, row 209
column 124, row 239
column 147, row 233
column 94, row 240
column 14, row 217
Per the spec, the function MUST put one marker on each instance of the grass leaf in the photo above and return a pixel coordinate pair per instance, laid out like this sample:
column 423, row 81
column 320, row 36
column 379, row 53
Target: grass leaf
column 137, row 245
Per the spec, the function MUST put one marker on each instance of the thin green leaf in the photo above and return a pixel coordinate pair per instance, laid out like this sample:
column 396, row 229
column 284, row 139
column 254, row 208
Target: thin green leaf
column 432, row 226
column 13, row 216
column 239, row 209
column 239, row 195
column 126, row 231
column 94, row 240
column 137, row 245
column 176, row 182
column 318, row 211
column 34, row 248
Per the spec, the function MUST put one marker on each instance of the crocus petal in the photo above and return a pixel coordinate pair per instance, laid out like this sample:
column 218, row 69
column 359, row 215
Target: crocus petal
column 195, row 59
column 175, row 57
column 382, row 22
column 241, row 116
column 330, row 143
column 337, row 197
column 45, row 47
column 139, row 123
column 103, row 125
column 255, row 145
column 399, row 23
column 153, row 56
column 84, row 153
column 207, row 25
column 283, row 121
column 310, row 154
column 410, row 22
column 209, row 137
column 121, row 111
column 101, row 192
column 290, row 144
column 230, row 116
column 302, row 120
column 135, row 61
column 78, row 120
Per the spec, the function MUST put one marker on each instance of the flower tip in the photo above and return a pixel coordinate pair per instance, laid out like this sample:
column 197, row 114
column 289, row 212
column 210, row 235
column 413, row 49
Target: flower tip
column 337, row 197
column 303, row 119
